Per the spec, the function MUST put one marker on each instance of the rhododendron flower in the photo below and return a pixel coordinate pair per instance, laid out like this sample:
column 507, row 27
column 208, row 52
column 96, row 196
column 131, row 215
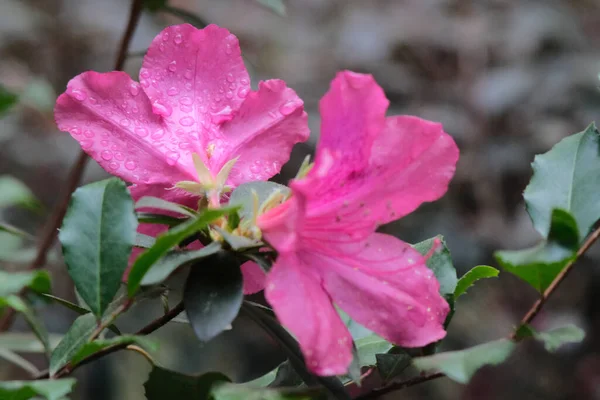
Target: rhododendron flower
column 192, row 115
column 368, row 170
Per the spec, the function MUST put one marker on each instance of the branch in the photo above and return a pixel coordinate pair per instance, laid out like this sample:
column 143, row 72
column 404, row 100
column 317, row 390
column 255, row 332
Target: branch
column 531, row 314
column 75, row 172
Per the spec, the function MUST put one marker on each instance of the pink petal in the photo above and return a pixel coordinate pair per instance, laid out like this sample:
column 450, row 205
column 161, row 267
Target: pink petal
column 254, row 277
column 112, row 119
column 280, row 226
column 263, row 133
column 303, row 307
column 386, row 286
column 196, row 79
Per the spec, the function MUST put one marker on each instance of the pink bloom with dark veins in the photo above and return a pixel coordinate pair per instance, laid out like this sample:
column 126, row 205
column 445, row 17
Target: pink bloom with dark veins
column 194, row 98
column 369, row 170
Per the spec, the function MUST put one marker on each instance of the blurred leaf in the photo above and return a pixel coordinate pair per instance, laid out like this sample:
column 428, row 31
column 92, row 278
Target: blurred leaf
column 74, row 340
column 19, row 361
column 368, row 348
column 461, row 365
column 144, row 241
column 54, row 389
column 539, row 265
column 440, row 263
column 4, row 227
column 475, row 274
column 166, row 241
column 277, row 6
column 165, row 266
column 163, row 205
column 213, row 294
column 165, row 384
column 14, row 282
column 25, row 342
column 7, row 100
column 28, row 313
column 238, row 242
column 78, row 309
column 13, row 192
column 553, row 339
column 97, row 345
column 233, row 221
column 247, row 392
column 247, row 194
column 391, row 365
column 567, row 177
column 185, row 15
column 286, row 376
column 154, row 5
column 97, row 235
column 150, row 218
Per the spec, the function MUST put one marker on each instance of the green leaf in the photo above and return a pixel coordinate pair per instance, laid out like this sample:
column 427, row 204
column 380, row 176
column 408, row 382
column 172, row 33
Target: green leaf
column 75, row 339
column 14, row 282
column 163, row 205
column 247, row 392
column 168, row 240
column 24, row 342
column 567, row 177
column 13, row 192
column 554, row 338
column 285, row 376
column 246, row 194
column 461, row 365
column 4, row 227
column 150, row 218
column 175, row 259
column 440, row 263
column 7, row 100
column 20, row 306
column 154, row 5
column 19, row 361
column 55, row 389
column 277, row 6
column 391, row 365
column 468, row 279
column 97, row 235
column 97, row 345
column 369, row 347
column 165, row 384
column 238, row 242
column 213, row 294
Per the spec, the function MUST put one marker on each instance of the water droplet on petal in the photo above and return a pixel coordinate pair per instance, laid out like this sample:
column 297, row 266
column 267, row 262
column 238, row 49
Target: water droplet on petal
column 172, row 157
column 162, row 109
column 158, row 134
column 186, row 121
column 173, row 66
column 165, row 36
column 119, row 156
column 186, row 109
column 161, row 47
column 244, row 81
column 134, row 89
column 79, row 95
column 186, row 100
column 272, row 114
column 113, row 165
column 184, row 145
column 188, row 74
column 172, row 91
column 144, row 73
column 75, row 131
column 86, row 144
column 130, row 165
column 88, row 134
column 288, row 108
column 229, row 95
column 106, row 155
column 124, row 122
column 243, row 92
column 180, row 132
column 141, row 132
column 230, row 77
column 178, row 39
column 93, row 100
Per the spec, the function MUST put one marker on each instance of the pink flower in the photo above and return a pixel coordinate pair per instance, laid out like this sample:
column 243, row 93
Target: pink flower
column 194, row 97
column 368, row 170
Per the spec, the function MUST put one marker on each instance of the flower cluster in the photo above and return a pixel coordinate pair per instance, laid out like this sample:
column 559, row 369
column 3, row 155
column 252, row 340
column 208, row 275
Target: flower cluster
column 193, row 129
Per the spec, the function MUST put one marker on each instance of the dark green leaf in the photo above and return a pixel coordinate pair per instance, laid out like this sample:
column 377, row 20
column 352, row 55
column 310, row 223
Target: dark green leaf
column 14, row 282
column 166, row 265
column 247, row 194
column 468, row 279
column 36, row 325
column 567, row 177
column 213, row 294
column 461, row 365
column 391, row 365
column 247, row 392
column 55, row 389
column 286, row 376
column 166, row 241
column 165, row 384
column 233, row 221
column 150, row 218
column 7, row 100
column 440, row 263
column 97, row 235
column 277, row 6
column 91, row 348
column 13, row 192
column 563, row 229
column 75, row 339
column 154, row 5
column 163, row 205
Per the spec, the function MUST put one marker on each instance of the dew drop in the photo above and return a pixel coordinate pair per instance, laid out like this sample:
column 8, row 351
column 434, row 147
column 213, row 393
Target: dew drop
column 178, row 39
column 93, row 100
column 104, row 143
column 228, row 49
column 124, row 122
column 141, row 132
column 75, row 131
column 86, row 144
column 145, row 73
column 243, row 92
column 161, row 47
column 162, row 109
column 180, row 132
column 186, row 109
column 173, row 91
column 134, row 90
column 130, row 165
column 186, row 101
column 272, row 114
column 244, row 81
column 288, row 108
column 113, row 165
column 79, row 95
column 106, row 155
column 88, row 134
column 230, row 77
column 172, row 66
column 186, row 121
column 165, row 36
column 144, row 83
column 172, row 157
column 119, row 156
column 158, row 134
column 229, row 95
column 188, row 74
column 135, row 110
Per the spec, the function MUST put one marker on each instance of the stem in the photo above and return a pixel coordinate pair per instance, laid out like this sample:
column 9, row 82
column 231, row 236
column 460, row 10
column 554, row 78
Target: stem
column 105, row 323
column 530, row 316
column 143, row 352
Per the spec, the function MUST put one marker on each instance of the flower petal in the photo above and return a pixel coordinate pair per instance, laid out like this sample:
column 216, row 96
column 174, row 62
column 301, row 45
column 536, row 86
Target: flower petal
column 269, row 123
column 112, row 119
column 196, row 79
column 303, row 307
column 254, row 277
column 387, row 287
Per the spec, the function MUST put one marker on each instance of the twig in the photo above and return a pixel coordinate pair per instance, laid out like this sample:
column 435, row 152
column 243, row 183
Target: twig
column 75, row 172
column 143, row 352
column 531, row 314
column 148, row 329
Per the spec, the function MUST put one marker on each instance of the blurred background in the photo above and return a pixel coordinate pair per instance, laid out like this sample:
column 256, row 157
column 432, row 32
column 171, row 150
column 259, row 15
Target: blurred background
column 508, row 79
